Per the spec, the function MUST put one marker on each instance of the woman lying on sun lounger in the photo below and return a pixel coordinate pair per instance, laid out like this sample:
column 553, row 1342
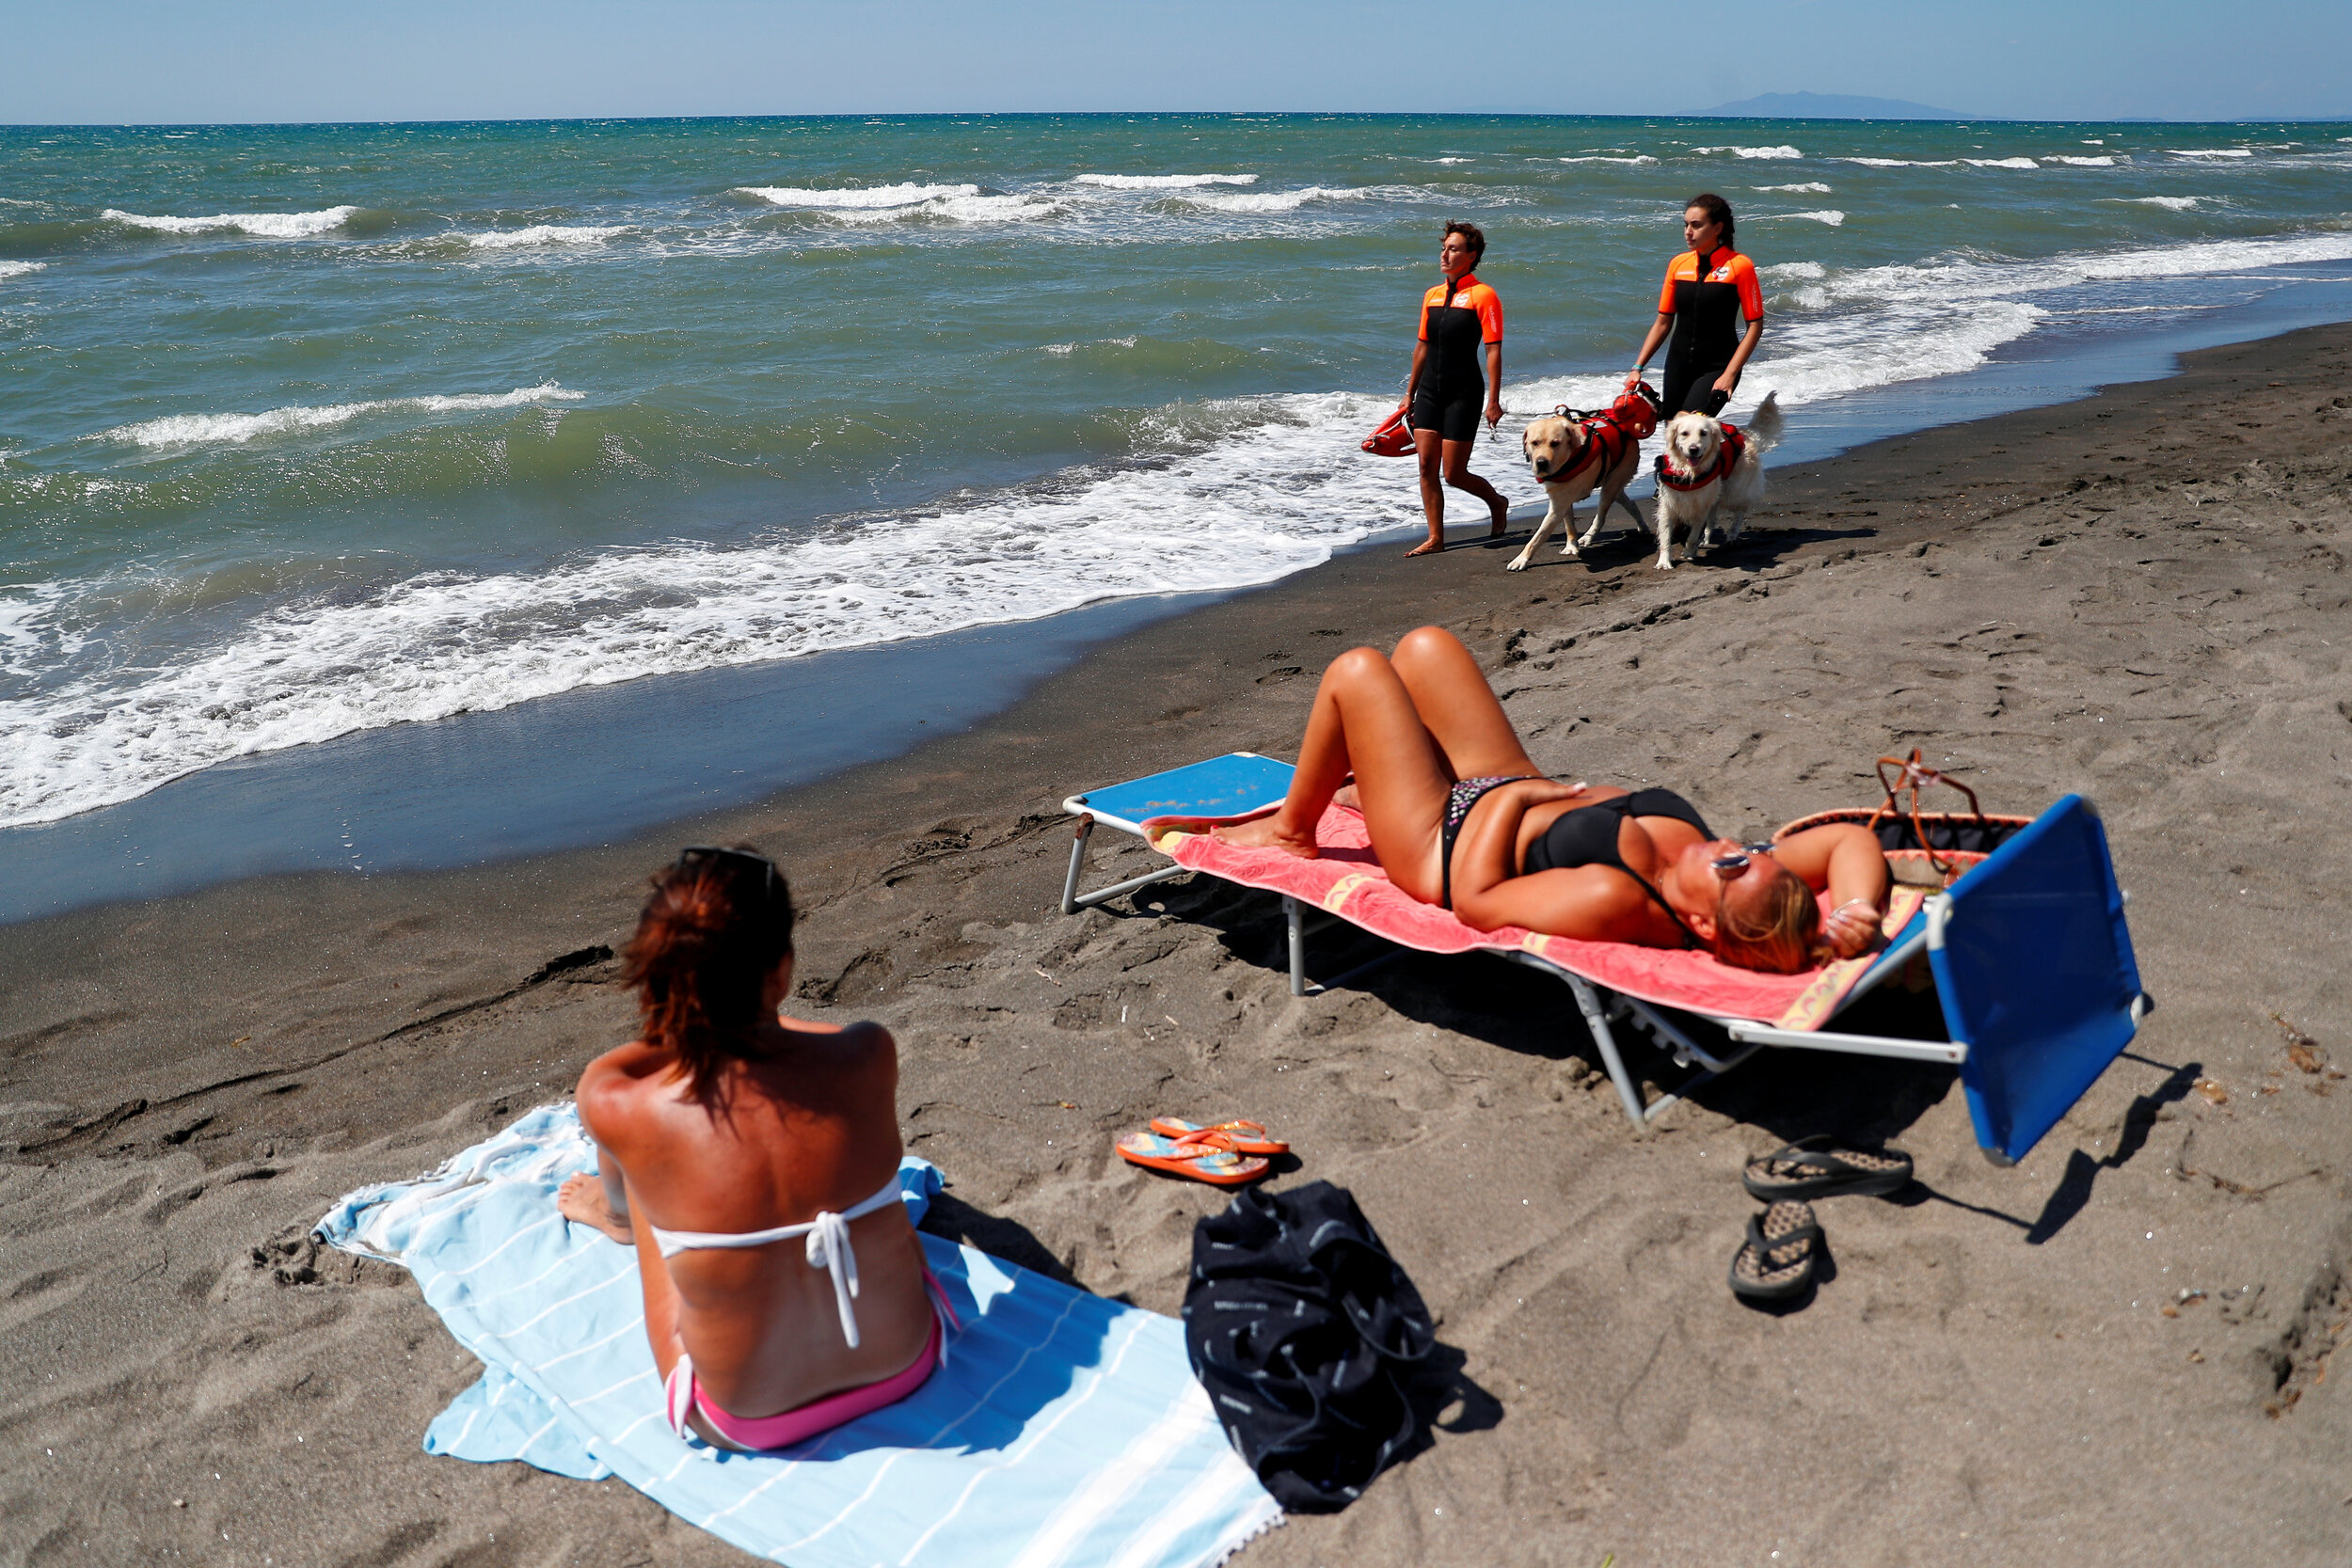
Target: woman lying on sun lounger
column 752, row 1163
column 1461, row 818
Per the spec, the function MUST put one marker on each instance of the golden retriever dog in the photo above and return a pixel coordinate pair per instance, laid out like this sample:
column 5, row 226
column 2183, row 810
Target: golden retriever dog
column 1558, row 451
column 1695, row 485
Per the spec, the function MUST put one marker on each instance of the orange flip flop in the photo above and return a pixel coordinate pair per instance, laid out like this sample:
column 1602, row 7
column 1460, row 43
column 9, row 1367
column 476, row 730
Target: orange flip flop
column 1206, row 1159
column 1243, row 1137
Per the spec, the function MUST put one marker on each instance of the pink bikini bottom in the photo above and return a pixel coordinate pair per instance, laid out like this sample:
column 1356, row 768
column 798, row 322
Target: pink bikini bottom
column 683, row 1394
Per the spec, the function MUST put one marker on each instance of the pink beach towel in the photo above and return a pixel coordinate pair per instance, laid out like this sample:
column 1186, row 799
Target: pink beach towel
column 1347, row 881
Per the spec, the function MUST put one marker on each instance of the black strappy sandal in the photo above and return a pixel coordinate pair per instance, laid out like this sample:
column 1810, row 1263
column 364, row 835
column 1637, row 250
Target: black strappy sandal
column 1776, row 1259
column 1821, row 1166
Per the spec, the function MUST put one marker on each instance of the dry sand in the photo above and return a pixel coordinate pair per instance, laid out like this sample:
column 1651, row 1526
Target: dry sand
column 2137, row 595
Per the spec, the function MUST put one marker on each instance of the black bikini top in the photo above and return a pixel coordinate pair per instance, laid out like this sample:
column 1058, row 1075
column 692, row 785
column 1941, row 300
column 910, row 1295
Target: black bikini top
column 1588, row 836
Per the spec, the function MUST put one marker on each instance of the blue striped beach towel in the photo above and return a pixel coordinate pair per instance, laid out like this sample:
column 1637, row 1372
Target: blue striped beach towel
column 1064, row 1430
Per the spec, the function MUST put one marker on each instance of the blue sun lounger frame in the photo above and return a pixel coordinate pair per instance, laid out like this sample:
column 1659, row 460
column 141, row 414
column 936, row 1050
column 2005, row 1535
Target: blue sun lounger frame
column 2030, row 955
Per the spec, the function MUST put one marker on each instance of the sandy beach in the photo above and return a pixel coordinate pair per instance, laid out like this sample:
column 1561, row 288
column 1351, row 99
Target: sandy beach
column 2135, row 597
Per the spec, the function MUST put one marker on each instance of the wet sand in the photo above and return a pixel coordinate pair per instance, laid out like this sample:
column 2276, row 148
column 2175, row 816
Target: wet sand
column 2136, row 597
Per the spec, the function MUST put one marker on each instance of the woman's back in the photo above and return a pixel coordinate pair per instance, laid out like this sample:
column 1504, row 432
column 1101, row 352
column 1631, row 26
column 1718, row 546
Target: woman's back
column 805, row 1124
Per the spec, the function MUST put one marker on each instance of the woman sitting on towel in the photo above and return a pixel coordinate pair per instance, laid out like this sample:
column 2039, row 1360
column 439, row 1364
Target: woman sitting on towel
column 752, row 1163
column 1461, row 818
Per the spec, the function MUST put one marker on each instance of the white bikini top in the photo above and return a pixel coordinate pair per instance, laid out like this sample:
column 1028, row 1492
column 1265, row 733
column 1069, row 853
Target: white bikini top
column 828, row 1246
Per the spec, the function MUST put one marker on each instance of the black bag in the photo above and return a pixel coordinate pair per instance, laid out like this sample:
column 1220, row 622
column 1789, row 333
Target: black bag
column 1309, row 1339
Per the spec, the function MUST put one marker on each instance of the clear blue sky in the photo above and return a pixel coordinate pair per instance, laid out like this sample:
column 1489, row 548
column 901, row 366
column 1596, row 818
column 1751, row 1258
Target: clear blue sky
column 145, row 61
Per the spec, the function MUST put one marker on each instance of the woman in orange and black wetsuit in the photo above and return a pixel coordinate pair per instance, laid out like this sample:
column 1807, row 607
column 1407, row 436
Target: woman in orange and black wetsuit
column 1712, row 290
column 1446, row 395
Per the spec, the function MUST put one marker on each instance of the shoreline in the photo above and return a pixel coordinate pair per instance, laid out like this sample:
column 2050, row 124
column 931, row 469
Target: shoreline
column 2138, row 594
column 468, row 790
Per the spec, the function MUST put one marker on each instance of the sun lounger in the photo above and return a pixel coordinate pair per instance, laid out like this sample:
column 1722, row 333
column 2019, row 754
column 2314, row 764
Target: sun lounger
column 2029, row 952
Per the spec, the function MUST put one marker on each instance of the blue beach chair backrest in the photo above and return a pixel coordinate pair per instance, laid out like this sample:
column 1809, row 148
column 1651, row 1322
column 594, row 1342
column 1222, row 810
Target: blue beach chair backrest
column 2034, row 965
column 1233, row 784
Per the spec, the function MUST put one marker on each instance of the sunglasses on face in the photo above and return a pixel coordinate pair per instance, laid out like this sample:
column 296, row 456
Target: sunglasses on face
column 696, row 855
column 1731, row 866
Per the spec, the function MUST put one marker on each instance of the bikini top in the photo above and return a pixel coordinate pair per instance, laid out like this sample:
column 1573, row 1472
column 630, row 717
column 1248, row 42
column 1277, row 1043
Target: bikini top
column 1588, row 836
column 829, row 1246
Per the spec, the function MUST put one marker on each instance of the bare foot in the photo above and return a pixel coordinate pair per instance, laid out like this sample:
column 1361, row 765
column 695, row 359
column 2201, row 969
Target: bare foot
column 1502, row 521
column 582, row 1198
column 1427, row 546
column 1265, row 832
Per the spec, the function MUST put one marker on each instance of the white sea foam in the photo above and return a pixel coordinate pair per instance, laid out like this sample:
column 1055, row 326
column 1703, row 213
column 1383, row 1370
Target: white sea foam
column 959, row 209
column 1172, row 182
column 185, row 430
column 1830, row 215
column 2211, row 153
column 542, row 235
column 1751, row 151
column 1810, row 187
column 1902, row 163
column 2104, row 162
column 2174, row 203
column 858, row 198
column 1599, row 158
column 267, row 225
column 1793, row 269
column 2001, row 162
column 17, row 269
column 1267, row 201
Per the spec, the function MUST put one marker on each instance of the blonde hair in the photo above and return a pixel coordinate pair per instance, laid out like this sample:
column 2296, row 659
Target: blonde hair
column 1779, row 932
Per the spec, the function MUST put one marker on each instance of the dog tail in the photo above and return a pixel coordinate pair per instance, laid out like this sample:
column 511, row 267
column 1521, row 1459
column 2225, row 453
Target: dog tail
column 1763, row 427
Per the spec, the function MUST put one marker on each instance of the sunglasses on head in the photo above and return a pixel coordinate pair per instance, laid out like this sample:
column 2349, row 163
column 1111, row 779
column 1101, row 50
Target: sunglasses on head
column 696, row 855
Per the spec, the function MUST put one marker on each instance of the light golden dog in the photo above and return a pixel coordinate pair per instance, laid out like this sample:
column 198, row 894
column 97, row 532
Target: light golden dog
column 1695, row 487
column 1555, row 446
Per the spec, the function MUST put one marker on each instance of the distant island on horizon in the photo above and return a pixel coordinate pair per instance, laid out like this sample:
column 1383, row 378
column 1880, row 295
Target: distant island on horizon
column 1829, row 105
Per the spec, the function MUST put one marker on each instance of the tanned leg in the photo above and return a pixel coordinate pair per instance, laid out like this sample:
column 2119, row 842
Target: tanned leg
column 1453, row 700
column 1364, row 721
column 1428, row 450
column 598, row 1201
column 1457, row 456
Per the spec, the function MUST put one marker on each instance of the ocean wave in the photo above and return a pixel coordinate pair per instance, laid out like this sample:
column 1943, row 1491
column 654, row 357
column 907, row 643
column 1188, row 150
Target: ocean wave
column 2211, row 152
column 854, row 198
column 541, row 234
column 1164, row 181
column 1810, row 187
column 1278, row 491
column 185, row 430
column 17, row 269
column 2106, row 161
column 1782, row 151
column 957, row 209
column 1793, row 269
column 1901, row 162
column 2001, row 162
column 267, row 225
column 1267, row 201
column 2172, row 203
column 1830, row 215
column 1599, row 158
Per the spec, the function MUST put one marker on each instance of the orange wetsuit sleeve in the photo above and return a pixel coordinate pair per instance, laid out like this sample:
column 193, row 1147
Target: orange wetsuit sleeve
column 1666, row 294
column 1751, row 289
column 1434, row 296
column 1489, row 316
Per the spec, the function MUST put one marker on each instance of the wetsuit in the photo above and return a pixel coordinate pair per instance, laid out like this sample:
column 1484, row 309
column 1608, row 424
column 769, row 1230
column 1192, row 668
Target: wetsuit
column 1457, row 320
column 1712, row 304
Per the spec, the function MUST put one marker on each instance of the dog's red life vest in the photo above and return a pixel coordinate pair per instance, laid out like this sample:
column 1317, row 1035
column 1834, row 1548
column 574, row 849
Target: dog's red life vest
column 1727, row 459
column 1605, row 442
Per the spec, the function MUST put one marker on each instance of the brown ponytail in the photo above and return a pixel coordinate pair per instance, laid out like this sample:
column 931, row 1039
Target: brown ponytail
column 714, row 929
column 1779, row 932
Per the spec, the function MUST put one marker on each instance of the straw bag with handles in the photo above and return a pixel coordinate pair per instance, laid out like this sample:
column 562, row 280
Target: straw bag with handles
column 1925, row 848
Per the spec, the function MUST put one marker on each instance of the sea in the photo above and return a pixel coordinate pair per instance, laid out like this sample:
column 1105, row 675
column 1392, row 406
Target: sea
column 383, row 497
